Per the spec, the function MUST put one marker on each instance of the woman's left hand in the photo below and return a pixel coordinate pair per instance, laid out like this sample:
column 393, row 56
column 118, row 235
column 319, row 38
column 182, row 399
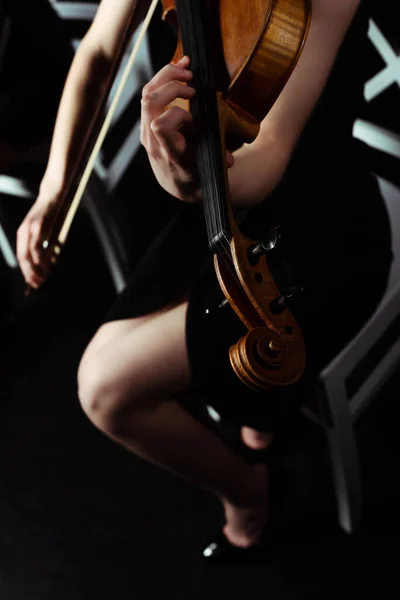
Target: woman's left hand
column 166, row 131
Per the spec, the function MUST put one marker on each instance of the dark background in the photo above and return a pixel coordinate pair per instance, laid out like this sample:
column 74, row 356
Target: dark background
column 79, row 517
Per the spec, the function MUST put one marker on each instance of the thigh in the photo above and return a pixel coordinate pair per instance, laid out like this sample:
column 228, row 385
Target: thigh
column 143, row 359
column 113, row 330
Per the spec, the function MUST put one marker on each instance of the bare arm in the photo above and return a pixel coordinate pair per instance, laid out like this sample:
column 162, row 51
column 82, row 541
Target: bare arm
column 259, row 166
column 84, row 86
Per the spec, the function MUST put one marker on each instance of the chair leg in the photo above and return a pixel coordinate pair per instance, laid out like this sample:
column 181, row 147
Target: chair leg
column 345, row 460
column 95, row 200
column 6, row 249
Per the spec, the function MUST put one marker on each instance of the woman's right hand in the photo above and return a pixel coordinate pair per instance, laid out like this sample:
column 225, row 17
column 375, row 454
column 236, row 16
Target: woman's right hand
column 33, row 259
column 164, row 131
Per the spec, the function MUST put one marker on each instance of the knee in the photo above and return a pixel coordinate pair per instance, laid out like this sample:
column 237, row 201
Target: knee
column 96, row 394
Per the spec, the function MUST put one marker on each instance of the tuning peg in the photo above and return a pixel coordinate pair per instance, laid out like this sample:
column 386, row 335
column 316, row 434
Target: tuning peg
column 214, row 311
column 268, row 243
column 279, row 304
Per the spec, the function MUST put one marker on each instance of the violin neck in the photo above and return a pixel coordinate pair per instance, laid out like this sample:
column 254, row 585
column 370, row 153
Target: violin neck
column 210, row 146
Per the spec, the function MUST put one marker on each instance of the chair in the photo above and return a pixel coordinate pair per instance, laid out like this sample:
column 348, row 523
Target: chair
column 345, row 389
column 348, row 385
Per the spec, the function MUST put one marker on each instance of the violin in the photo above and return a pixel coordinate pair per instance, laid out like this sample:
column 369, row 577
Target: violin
column 242, row 53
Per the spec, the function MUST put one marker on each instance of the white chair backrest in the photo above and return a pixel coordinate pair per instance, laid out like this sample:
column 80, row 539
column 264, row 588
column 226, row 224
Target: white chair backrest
column 380, row 333
column 383, row 139
column 391, row 194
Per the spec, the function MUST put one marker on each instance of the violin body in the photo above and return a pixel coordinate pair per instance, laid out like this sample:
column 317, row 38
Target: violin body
column 260, row 42
column 245, row 53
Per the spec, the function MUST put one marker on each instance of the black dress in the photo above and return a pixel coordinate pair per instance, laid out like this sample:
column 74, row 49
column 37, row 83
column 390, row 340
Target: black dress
column 337, row 243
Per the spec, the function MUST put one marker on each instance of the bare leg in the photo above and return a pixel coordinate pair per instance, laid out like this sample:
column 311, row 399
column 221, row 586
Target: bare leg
column 127, row 387
column 257, row 440
column 109, row 333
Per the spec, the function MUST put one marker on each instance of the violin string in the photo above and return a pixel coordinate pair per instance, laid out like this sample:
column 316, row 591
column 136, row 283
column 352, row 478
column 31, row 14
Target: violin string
column 192, row 17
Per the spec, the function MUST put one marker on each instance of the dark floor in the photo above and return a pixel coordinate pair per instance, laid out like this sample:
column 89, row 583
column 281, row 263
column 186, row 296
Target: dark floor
column 81, row 519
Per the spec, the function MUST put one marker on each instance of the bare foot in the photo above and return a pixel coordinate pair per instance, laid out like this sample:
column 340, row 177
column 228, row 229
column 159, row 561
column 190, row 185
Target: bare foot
column 257, row 440
column 245, row 523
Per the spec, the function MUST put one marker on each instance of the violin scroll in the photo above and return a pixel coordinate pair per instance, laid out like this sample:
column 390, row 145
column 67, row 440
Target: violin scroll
column 259, row 358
